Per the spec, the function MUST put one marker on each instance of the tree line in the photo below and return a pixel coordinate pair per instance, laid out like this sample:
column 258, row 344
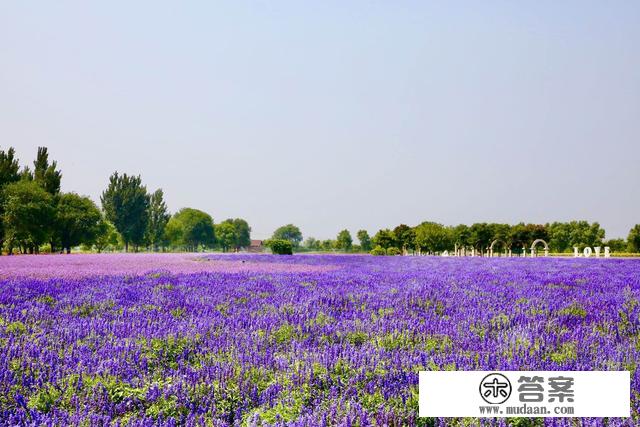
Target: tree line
column 431, row 237
column 35, row 215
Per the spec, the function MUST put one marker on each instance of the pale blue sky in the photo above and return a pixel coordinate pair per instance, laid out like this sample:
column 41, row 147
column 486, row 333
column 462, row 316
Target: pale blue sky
column 336, row 114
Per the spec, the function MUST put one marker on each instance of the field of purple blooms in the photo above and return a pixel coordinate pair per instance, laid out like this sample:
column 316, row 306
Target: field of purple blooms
column 300, row 340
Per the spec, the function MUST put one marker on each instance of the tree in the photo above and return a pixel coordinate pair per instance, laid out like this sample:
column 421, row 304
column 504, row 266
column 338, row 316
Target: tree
column 433, row 237
column 27, row 215
column 288, row 232
column 45, row 173
column 242, row 232
column 328, row 245
column 564, row 236
column 9, row 173
column 126, row 205
column 384, row 238
column 616, row 245
column 191, row 228
column 405, row 237
column 634, row 238
column 226, row 235
column 77, row 221
column 365, row 240
column 107, row 236
column 344, row 241
column 158, row 218
column 280, row 246
column 312, row 244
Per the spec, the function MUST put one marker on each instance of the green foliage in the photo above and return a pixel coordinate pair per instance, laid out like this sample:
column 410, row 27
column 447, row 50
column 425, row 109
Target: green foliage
column 16, row 328
column 365, row 240
column 27, row 214
column 288, row 232
column 77, row 221
column 563, row 236
column 45, row 173
column 226, row 235
column 126, row 205
column 405, row 236
column 344, row 241
column 242, row 232
column 158, row 218
column 107, row 236
column 432, row 237
column 393, row 251
column 634, row 239
column 191, row 228
column 384, row 238
column 378, row 251
column 279, row 247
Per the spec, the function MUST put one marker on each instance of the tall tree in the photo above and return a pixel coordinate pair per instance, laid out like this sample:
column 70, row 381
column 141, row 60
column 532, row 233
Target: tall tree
column 226, row 235
column 9, row 173
column 634, row 238
column 126, row 205
column 384, row 238
column 242, row 232
column 45, row 174
column 365, row 240
column 158, row 218
column 191, row 228
column 405, row 237
column 288, row 232
column 77, row 221
column 344, row 241
column 433, row 237
column 107, row 236
column 27, row 215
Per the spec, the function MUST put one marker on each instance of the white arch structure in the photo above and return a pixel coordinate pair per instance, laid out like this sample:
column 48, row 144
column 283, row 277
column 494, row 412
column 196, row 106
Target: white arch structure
column 535, row 243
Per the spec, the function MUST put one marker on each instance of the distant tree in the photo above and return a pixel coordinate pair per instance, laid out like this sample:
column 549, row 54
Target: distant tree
column 9, row 167
column 191, row 228
column 328, row 245
column 365, row 240
column 564, row 236
column 288, row 232
column 405, row 237
column 45, row 173
column 384, row 238
column 280, row 246
column 461, row 235
column 312, row 244
column 9, row 173
column 77, row 221
column 107, row 236
column 27, row 215
column 433, row 237
column 226, row 235
column 480, row 236
column 126, row 205
column 158, row 219
column 344, row 241
column 634, row 239
column 523, row 235
column 242, row 232
column 616, row 245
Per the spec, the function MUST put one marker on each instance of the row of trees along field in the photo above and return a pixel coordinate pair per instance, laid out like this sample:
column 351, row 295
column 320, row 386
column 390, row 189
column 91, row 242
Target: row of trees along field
column 36, row 216
column 431, row 237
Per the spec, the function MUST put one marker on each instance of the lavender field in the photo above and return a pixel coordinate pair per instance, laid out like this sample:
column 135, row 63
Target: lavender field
column 302, row 340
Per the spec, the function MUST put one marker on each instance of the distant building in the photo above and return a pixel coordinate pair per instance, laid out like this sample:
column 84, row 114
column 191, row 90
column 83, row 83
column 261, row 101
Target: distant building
column 255, row 246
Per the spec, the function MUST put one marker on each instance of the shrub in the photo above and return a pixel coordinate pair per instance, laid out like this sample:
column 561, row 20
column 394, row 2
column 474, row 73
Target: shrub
column 393, row 251
column 280, row 247
column 378, row 250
